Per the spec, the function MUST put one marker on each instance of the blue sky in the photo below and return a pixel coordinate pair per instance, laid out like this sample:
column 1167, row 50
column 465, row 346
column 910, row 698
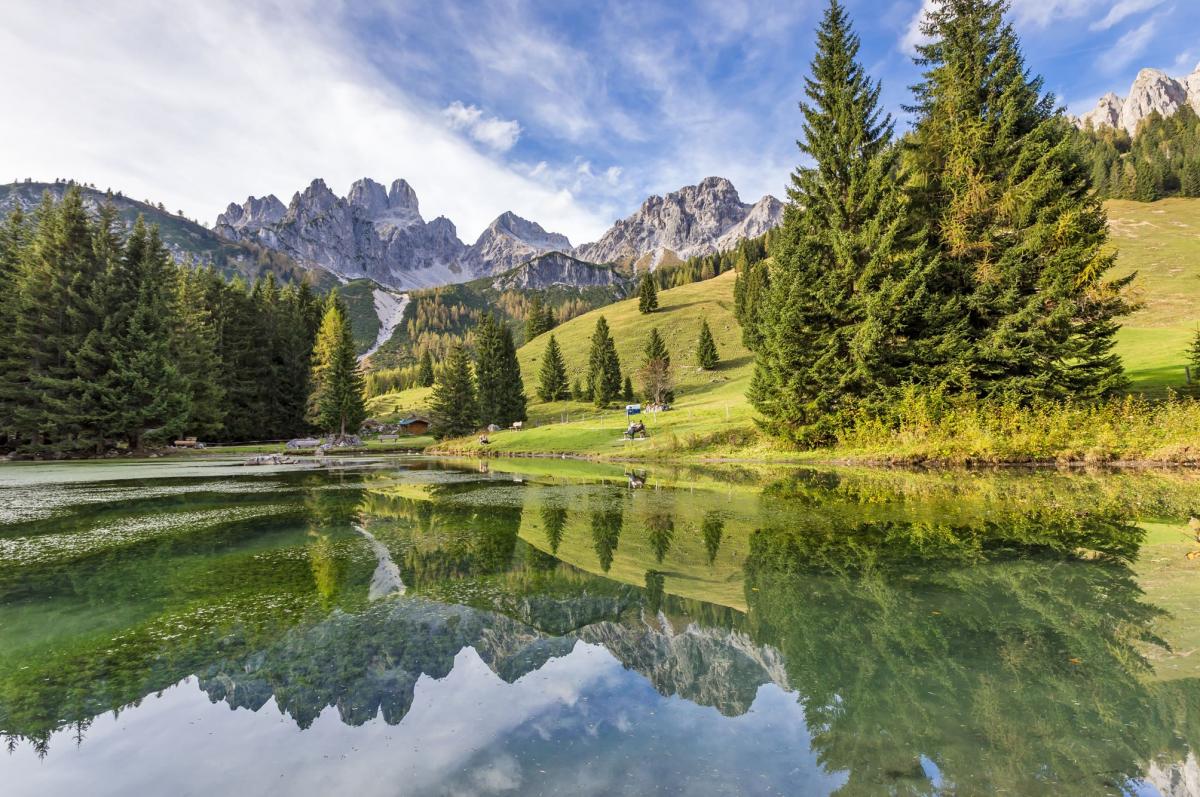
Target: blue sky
column 568, row 113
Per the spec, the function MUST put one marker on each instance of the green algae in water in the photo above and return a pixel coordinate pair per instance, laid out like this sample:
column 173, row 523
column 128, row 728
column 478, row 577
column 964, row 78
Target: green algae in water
column 786, row 632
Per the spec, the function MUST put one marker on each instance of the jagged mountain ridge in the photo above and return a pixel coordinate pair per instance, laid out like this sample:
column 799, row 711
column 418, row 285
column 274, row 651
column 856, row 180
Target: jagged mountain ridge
column 380, row 235
column 372, row 232
column 186, row 240
column 695, row 220
column 1153, row 91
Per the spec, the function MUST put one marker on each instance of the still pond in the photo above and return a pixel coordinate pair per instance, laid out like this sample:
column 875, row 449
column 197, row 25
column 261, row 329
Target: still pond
column 422, row 627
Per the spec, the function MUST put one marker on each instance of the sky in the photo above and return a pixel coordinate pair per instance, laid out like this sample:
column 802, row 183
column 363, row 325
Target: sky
column 567, row 113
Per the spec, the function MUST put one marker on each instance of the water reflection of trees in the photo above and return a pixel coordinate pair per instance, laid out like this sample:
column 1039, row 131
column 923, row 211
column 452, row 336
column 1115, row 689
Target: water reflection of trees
column 1000, row 656
column 205, row 602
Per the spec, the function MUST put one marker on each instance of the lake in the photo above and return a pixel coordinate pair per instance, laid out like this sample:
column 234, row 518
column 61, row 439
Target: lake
column 420, row 627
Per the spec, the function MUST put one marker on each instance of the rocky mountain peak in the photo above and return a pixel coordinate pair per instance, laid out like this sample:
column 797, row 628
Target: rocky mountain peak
column 379, row 234
column 695, row 220
column 369, row 196
column 509, row 241
column 254, row 214
column 1153, row 91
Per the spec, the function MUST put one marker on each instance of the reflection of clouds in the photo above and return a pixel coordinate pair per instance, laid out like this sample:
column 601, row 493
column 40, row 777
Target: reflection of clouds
column 582, row 724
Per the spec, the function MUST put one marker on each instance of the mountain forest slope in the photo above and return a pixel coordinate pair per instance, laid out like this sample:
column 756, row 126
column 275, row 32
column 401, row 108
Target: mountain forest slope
column 1159, row 241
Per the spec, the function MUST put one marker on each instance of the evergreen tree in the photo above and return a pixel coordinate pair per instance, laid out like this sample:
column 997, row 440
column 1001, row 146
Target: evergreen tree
column 657, row 376
column 831, row 330
column 193, row 348
column 706, row 348
column 552, row 379
column 512, row 395
column 604, row 367
column 57, row 274
column 1194, row 355
column 647, row 294
column 454, row 405
column 14, row 235
column 336, row 404
column 150, row 395
column 749, row 293
column 501, row 392
column 627, row 390
column 425, row 374
column 1020, row 236
column 656, row 349
column 539, row 318
column 578, row 393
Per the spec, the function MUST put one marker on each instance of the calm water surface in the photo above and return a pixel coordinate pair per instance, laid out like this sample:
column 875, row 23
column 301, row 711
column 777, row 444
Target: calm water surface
column 413, row 627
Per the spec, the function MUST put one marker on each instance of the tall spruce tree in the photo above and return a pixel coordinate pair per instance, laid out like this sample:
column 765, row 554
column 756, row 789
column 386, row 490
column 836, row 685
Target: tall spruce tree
column 830, row 331
column 454, row 405
column 539, row 318
column 501, row 392
column 706, row 348
column 604, row 367
column 647, row 293
column 55, row 282
column 657, row 375
column 336, row 404
column 552, row 378
column 151, row 396
column 425, row 371
column 194, row 351
column 1021, row 237
column 14, row 237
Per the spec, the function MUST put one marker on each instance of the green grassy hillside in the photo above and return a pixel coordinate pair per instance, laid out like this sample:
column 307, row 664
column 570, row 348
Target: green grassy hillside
column 1161, row 242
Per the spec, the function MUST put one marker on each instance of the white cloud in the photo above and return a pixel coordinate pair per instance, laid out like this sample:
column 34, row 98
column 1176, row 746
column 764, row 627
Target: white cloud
column 198, row 104
column 1128, row 48
column 1040, row 14
column 1122, row 10
column 488, row 130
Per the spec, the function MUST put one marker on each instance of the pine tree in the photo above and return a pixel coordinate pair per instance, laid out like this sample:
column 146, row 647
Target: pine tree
column 627, row 390
column 647, row 294
column 56, row 278
column 552, row 379
column 336, row 404
column 657, row 375
column 1021, row 237
column 829, row 337
column 539, row 318
column 578, row 392
column 706, row 348
column 604, row 367
column 14, row 239
column 151, row 396
column 512, row 394
column 193, row 347
column 454, row 404
column 656, row 349
column 749, row 292
column 425, row 373
column 1193, row 355
column 501, row 392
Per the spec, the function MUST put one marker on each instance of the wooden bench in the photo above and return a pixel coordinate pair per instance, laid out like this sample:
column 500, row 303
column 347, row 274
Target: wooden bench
column 388, row 438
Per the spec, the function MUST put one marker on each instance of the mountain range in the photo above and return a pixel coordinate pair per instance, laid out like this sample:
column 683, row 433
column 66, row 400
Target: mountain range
column 1153, row 91
column 379, row 233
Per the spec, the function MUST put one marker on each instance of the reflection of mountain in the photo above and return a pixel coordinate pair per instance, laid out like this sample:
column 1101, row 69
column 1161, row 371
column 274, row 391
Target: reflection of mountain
column 368, row 663
column 982, row 645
